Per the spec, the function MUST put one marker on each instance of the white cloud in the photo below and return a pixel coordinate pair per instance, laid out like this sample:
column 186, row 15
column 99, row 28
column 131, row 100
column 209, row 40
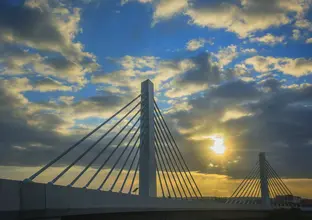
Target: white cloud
column 123, row 2
column 137, row 69
column 296, row 34
column 16, row 84
column 226, row 55
column 241, row 69
column 16, row 62
column 48, row 26
column 297, row 86
column 130, row 62
column 203, row 74
column 248, row 50
column 295, row 67
column 243, row 18
column 133, row 71
column 268, row 39
column 304, row 24
column 195, row 44
column 23, row 84
column 56, row 28
column 309, row 41
column 165, row 9
column 251, row 16
column 66, row 99
column 233, row 114
column 49, row 85
column 247, row 79
column 179, row 91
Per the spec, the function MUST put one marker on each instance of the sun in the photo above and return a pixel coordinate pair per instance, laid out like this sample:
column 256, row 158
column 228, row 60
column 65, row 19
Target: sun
column 218, row 146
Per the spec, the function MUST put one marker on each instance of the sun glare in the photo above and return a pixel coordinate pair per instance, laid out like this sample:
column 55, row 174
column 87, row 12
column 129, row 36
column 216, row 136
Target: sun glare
column 218, row 146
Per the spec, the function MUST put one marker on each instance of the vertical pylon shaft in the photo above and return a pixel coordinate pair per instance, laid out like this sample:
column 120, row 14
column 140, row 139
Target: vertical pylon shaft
column 147, row 167
column 265, row 197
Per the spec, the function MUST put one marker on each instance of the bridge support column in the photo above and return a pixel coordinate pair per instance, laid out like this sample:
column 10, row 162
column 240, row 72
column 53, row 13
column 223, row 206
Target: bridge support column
column 147, row 184
column 265, row 198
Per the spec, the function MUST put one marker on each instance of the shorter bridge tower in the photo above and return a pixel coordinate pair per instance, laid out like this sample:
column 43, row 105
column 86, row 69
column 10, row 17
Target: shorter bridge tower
column 262, row 186
column 265, row 198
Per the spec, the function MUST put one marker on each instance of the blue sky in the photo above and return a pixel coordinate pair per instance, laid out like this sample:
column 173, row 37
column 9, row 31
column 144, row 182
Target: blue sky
column 240, row 69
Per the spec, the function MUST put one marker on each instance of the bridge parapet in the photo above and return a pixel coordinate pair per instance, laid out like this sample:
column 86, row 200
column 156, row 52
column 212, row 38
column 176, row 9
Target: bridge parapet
column 29, row 199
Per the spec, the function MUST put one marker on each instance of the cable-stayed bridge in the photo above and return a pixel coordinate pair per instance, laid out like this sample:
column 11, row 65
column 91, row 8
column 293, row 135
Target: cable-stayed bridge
column 263, row 186
column 139, row 168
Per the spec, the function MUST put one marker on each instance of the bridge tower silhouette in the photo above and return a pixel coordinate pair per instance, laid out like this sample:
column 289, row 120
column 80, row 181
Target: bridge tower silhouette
column 143, row 146
column 262, row 186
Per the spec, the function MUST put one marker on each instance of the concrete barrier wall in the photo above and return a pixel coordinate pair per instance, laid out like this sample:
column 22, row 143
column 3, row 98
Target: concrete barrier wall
column 9, row 195
column 29, row 197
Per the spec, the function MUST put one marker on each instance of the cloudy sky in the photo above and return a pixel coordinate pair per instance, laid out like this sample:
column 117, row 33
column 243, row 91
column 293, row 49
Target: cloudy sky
column 239, row 70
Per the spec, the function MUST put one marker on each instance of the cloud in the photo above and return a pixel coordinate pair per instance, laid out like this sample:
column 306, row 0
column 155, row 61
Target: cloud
column 40, row 24
column 14, row 60
column 184, row 90
column 205, row 116
column 204, row 73
column 123, row 2
column 165, row 9
column 17, row 61
column 295, row 67
column 251, row 120
column 233, row 115
column 16, row 117
column 296, row 34
column 243, row 18
column 48, row 26
column 65, row 69
column 270, row 84
column 48, row 85
column 226, row 55
column 246, row 18
column 195, row 44
column 134, row 70
column 48, row 127
column 238, row 90
column 248, row 50
column 268, row 39
column 303, row 24
column 309, row 40
column 23, row 84
column 130, row 62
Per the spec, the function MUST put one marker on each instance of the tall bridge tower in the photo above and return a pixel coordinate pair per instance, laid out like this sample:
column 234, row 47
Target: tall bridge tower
column 147, row 161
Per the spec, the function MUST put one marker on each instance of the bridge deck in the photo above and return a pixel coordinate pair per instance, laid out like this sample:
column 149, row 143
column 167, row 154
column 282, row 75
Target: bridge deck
column 29, row 200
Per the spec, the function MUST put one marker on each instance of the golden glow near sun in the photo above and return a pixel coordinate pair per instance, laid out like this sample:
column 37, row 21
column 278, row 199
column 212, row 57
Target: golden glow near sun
column 218, row 146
